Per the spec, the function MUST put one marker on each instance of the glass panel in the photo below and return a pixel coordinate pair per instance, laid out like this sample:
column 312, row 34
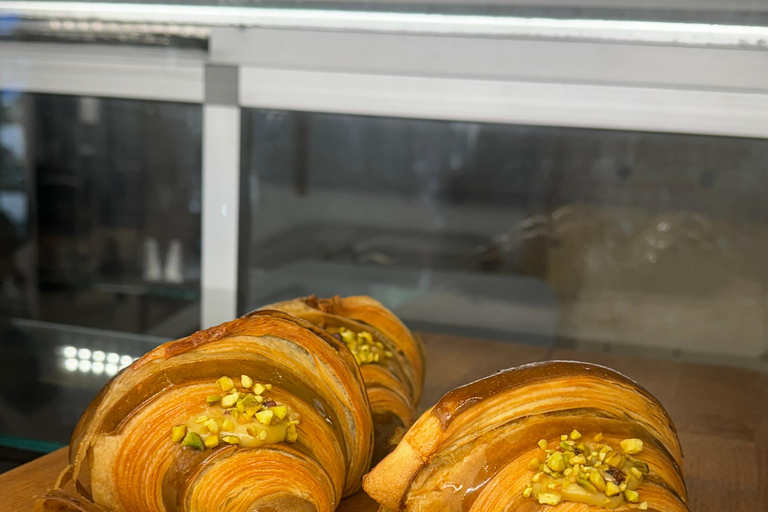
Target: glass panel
column 49, row 373
column 100, row 208
column 650, row 242
column 99, row 249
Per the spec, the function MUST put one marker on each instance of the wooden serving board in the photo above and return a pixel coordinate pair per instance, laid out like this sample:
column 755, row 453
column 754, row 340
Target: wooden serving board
column 721, row 414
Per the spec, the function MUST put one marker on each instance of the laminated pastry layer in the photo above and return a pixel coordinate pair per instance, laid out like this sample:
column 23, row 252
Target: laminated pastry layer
column 503, row 444
column 391, row 358
column 261, row 413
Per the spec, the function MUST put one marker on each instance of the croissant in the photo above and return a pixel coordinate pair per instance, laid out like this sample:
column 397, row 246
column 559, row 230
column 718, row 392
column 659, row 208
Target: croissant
column 264, row 413
column 557, row 436
column 391, row 359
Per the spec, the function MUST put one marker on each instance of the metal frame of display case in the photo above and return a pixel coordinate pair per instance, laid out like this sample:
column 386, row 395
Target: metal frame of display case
column 100, row 70
column 647, row 76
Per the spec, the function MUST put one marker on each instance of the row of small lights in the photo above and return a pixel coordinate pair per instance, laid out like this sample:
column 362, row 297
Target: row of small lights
column 96, row 362
column 98, row 26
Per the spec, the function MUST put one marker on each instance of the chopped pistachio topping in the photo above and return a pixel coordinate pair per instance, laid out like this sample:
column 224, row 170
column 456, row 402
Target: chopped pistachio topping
column 280, row 411
column 597, row 480
column 549, row 498
column 594, row 473
column 244, row 416
column 631, row 496
column 578, row 459
column 291, row 435
column 556, row 462
column 229, row 400
column 631, row 446
column 192, row 440
column 225, row 384
column 212, row 441
column 178, row 433
column 265, row 417
column 364, row 348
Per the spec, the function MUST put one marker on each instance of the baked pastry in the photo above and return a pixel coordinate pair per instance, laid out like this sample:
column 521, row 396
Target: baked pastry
column 391, row 359
column 557, row 436
column 264, row 413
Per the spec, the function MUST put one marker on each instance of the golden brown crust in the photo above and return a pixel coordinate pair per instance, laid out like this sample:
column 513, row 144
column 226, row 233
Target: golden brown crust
column 454, row 402
column 471, row 450
column 394, row 386
column 371, row 312
column 122, row 457
column 61, row 501
column 553, row 374
column 388, row 482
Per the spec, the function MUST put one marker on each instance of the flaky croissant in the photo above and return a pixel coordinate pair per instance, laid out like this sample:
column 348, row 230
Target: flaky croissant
column 391, row 358
column 264, row 413
column 557, row 436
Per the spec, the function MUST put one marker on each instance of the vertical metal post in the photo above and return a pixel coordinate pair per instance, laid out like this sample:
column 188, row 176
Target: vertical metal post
column 221, row 194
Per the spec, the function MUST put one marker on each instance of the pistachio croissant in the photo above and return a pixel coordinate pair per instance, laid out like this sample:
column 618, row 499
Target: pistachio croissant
column 391, row 359
column 264, row 413
column 558, row 436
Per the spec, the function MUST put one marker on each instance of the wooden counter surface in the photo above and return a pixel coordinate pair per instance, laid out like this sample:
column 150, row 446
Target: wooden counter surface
column 721, row 414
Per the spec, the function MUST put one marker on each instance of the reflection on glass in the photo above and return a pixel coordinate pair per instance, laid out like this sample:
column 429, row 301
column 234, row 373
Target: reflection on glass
column 14, row 201
column 100, row 212
column 538, row 234
column 48, row 375
column 86, row 186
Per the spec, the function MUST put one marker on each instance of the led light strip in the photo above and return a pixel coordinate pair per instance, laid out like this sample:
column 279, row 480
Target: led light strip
column 698, row 34
column 96, row 362
column 114, row 27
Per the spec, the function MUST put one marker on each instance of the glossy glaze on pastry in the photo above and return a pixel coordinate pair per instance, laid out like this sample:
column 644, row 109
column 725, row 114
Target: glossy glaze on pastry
column 391, row 359
column 171, row 433
column 505, row 444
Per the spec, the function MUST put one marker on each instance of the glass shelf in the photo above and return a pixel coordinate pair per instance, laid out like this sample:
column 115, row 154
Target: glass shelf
column 50, row 373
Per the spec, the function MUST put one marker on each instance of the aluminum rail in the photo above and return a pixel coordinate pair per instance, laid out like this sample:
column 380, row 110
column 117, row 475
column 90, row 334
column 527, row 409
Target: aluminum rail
column 643, row 32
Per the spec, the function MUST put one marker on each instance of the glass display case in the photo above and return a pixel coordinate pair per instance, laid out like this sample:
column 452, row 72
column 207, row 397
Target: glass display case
column 640, row 240
column 103, row 226
column 581, row 174
column 100, row 221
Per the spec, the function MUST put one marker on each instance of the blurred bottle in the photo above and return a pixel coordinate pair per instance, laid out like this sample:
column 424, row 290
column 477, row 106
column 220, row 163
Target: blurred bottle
column 174, row 262
column 152, row 267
